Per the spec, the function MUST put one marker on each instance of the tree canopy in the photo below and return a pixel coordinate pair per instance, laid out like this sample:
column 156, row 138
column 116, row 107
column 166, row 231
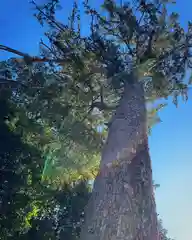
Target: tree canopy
column 54, row 104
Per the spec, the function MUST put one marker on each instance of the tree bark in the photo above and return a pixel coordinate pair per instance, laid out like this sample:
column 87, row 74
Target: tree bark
column 122, row 206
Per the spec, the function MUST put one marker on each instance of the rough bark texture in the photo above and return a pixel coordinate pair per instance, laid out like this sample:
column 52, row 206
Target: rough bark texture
column 122, row 205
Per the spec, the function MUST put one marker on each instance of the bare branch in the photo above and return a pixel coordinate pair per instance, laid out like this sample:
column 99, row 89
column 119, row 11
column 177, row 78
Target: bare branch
column 30, row 58
column 11, row 50
column 102, row 106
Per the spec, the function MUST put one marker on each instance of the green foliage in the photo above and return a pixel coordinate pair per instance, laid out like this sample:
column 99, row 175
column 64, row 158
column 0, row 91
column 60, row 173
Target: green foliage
column 20, row 171
column 49, row 121
column 163, row 231
column 63, row 215
column 32, row 208
column 59, row 213
column 64, row 96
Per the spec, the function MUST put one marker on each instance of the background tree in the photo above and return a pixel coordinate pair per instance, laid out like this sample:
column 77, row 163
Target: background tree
column 163, row 231
column 20, row 171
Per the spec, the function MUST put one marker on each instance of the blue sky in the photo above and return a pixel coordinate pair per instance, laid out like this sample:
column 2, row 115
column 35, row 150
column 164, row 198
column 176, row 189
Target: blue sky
column 171, row 141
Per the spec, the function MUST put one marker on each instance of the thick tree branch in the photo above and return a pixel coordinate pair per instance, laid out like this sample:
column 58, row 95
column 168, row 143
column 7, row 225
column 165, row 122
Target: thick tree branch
column 10, row 83
column 102, row 106
column 29, row 58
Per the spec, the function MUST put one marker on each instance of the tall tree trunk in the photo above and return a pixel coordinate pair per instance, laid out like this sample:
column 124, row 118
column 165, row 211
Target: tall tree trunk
column 122, row 205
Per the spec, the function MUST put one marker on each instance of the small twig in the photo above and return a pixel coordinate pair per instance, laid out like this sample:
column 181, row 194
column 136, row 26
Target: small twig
column 42, row 12
column 45, row 45
column 139, row 22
